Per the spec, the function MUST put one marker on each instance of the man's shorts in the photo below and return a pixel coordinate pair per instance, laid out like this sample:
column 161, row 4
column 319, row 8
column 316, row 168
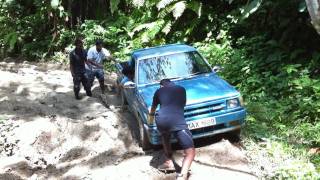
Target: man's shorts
column 80, row 78
column 184, row 138
column 98, row 73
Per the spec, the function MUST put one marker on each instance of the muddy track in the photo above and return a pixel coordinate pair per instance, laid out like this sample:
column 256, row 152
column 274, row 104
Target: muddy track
column 46, row 134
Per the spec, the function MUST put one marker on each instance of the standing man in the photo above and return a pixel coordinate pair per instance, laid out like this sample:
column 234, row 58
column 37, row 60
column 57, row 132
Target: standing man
column 96, row 55
column 78, row 58
column 170, row 120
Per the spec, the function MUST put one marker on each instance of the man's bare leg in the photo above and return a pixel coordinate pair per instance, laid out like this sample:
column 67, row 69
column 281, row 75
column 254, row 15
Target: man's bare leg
column 185, row 139
column 168, row 162
column 188, row 158
column 101, row 82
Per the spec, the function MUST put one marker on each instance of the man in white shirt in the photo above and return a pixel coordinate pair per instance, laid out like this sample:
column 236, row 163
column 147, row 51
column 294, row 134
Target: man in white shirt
column 96, row 56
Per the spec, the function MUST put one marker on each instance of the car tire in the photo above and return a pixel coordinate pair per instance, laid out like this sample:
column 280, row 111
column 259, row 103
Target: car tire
column 117, row 88
column 123, row 99
column 144, row 142
column 234, row 136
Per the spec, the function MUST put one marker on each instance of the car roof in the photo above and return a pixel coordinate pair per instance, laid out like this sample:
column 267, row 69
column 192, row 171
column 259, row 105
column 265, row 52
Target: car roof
column 161, row 51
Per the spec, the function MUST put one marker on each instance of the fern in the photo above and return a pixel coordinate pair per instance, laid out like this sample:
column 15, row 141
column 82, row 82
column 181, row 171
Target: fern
column 193, row 24
column 114, row 5
column 164, row 3
column 167, row 27
column 165, row 11
column 54, row 4
column 10, row 40
column 138, row 3
column 144, row 26
column 250, row 8
column 152, row 30
column 196, row 7
column 178, row 9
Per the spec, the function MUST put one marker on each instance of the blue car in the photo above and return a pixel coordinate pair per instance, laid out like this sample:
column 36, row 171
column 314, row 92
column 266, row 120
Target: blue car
column 213, row 106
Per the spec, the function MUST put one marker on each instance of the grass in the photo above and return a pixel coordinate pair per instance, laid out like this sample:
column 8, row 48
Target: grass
column 272, row 151
column 2, row 118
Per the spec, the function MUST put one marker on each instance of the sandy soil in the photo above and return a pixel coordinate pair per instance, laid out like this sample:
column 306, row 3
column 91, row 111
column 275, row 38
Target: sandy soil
column 46, row 134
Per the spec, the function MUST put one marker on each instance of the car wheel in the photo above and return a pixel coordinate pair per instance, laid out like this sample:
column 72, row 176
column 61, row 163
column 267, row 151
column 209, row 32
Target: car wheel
column 117, row 88
column 234, row 136
column 123, row 99
column 143, row 137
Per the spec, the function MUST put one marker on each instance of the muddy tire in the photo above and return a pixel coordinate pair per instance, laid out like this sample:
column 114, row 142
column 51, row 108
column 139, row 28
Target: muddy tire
column 144, row 142
column 123, row 99
column 234, row 136
column 117, row 88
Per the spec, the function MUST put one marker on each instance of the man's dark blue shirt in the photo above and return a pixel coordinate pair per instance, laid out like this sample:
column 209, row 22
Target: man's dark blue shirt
column 172, row 99
column 77, row 60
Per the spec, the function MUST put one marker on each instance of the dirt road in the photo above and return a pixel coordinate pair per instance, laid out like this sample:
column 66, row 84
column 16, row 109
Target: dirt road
column 46, row 134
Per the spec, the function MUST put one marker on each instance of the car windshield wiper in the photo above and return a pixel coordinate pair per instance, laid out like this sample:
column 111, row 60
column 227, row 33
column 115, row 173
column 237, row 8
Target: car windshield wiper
column 192, row 75
column 174, row 78
column 196, row 73
column 186, row 77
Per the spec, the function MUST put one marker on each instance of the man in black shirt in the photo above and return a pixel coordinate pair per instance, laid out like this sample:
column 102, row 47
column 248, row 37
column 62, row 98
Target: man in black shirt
column 170, row 120
column 78, row 58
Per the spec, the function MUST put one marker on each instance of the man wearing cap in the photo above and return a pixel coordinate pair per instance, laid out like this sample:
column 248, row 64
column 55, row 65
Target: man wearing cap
column 96, row 56
column 78, row 58
column 170, row 120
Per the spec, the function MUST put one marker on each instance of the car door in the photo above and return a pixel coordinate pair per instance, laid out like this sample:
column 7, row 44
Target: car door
column 132, row 94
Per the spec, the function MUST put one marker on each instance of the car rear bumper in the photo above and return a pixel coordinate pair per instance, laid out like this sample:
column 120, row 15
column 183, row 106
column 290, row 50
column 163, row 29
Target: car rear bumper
column 225, row 123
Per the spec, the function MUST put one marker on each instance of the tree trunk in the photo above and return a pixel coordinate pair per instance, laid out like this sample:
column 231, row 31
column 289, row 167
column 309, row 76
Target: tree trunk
column 314, row 11
column 70, row 14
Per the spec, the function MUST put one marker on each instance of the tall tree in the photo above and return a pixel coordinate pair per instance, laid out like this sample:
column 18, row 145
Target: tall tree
column 314, row 11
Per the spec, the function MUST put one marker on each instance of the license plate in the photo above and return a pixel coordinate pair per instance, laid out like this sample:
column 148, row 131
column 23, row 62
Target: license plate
column 201, row 123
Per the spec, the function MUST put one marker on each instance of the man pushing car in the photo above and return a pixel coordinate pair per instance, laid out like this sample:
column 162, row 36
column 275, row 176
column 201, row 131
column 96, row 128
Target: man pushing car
column 170, row 120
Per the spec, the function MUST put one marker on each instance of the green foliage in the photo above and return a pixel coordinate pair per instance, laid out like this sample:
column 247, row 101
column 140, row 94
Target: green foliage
column 114, row 5
column 268, row 50
column 315, row 159
column 54, row 4
column 250, row 8
column 60, row 57
column 11, row 39
column 138, row 3
column 271, row 147
column 290, row 169
column 2, row 118
column 216, row 53
column 30, row 27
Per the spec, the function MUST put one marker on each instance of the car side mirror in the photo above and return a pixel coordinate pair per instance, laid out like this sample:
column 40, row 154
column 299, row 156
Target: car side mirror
column 217, row 69
column 129, row 85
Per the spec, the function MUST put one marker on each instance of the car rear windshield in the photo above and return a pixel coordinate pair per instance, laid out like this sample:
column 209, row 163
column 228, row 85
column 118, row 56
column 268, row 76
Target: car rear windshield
column 180, row 65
